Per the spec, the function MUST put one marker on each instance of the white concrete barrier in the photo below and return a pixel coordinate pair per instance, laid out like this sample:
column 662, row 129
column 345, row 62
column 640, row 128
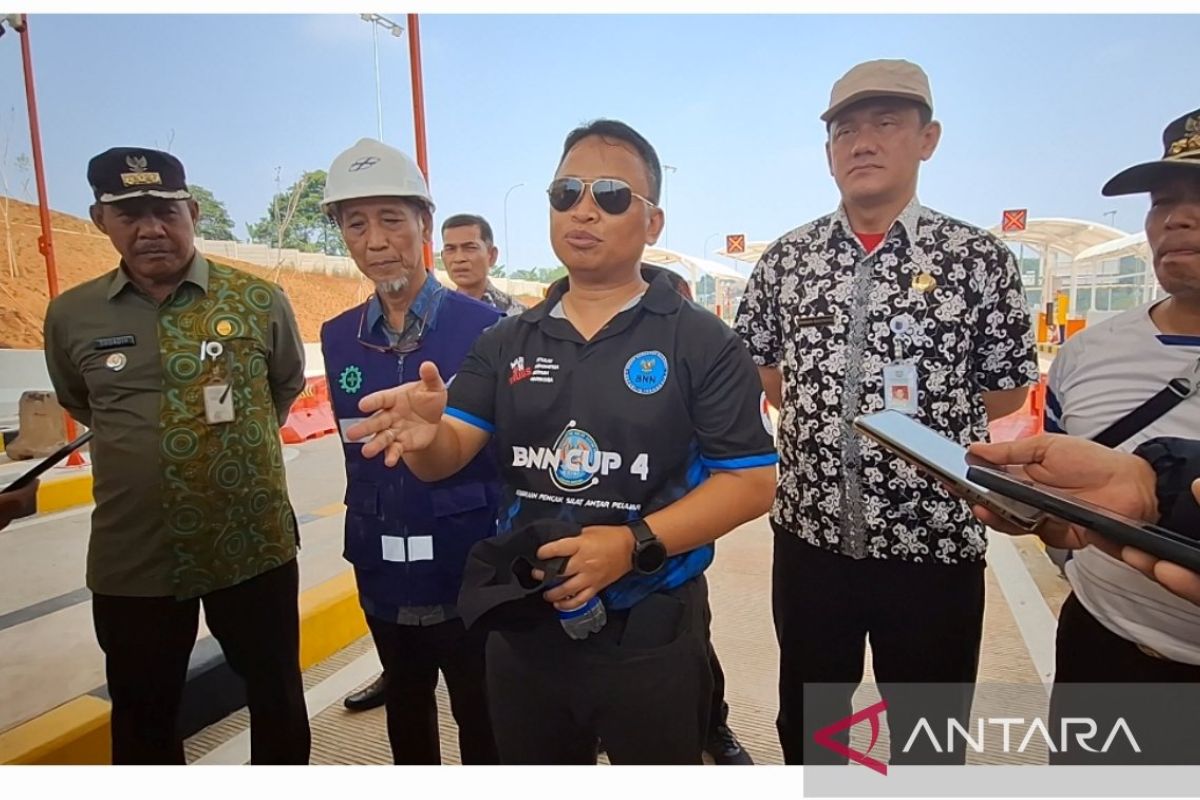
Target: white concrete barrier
column 20, row 371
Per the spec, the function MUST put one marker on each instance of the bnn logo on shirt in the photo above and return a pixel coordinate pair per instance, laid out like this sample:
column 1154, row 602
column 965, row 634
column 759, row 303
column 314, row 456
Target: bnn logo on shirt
column 576, row 462
column 1008, row 735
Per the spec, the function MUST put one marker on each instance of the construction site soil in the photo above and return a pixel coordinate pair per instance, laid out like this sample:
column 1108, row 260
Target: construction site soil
column 82, row 253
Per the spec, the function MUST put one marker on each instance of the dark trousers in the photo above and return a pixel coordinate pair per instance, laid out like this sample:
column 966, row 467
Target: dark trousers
column 641, row 685
column 718, row 714
column 147, row 642
column 411, row 657
column 1103, row 677
column 924, row 622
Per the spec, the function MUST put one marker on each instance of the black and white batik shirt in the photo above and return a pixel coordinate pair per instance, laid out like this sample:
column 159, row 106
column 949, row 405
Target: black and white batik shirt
column 830, row 316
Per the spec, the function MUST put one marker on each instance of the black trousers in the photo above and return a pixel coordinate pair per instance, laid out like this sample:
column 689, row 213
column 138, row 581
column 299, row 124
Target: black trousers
column 641, row 685
column 924, row 622
column 147, row 642
column 411, row 657
column 718, row 713
column 1103, row 677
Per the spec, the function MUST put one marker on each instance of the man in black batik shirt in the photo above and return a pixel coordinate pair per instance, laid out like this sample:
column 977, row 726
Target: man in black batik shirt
column 882, row 304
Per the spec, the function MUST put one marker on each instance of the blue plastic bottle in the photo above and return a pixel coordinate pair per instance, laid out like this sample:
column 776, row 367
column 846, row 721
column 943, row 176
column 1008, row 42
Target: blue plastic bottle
column 582, row 622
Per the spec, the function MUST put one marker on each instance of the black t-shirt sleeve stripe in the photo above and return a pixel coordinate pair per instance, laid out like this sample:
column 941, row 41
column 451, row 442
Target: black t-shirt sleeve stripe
column 727, row 410
column 472, row 391
column 746, row 462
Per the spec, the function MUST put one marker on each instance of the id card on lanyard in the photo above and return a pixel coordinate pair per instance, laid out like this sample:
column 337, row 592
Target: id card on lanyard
column 218, row 399
column 900, row 385
column 900, row 388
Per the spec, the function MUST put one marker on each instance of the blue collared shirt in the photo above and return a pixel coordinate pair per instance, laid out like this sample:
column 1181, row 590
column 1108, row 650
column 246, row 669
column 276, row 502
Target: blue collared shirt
column 421, row 316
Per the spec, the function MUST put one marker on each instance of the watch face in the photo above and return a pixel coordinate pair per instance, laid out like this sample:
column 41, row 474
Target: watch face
column 651, row 557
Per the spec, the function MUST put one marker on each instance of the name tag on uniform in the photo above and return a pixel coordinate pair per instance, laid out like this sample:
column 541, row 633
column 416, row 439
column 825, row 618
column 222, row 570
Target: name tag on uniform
column 809, row 322
column 345, row 425
column 900, row 388
column 218, row 403
column 114, row 342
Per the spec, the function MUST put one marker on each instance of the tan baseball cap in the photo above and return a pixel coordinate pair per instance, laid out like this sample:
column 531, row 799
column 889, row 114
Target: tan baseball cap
column 882, row 78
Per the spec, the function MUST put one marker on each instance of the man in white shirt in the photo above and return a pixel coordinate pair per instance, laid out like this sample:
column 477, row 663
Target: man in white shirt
column 1119, row 626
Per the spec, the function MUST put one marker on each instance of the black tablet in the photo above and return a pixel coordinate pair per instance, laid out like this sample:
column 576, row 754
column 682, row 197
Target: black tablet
column 1153, row 539
column 48, row 462
column 945, row 460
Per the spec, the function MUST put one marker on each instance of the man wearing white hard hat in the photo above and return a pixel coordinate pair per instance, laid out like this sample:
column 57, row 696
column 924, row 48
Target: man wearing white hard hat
column 407, row 539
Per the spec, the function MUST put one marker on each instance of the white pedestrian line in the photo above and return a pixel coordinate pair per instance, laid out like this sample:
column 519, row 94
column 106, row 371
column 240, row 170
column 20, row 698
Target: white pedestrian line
column 318, row 698
column 1035, row 621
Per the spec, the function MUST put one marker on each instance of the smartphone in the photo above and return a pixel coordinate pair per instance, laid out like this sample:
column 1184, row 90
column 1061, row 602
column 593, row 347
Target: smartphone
column 945, row 460
column 1145, row 536
column 45, row 464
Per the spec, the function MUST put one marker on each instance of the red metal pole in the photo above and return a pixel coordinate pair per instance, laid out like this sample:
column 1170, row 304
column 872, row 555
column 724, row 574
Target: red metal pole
column 46, row 239
column 418, row 98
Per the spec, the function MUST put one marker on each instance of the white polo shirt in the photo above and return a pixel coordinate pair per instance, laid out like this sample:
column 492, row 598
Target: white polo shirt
column 1098, row 377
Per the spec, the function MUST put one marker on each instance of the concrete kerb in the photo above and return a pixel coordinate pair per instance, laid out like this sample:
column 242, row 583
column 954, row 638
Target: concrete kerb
column 77, row 732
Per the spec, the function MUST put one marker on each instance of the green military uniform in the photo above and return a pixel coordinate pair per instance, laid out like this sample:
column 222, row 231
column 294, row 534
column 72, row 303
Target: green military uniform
column 183, row 506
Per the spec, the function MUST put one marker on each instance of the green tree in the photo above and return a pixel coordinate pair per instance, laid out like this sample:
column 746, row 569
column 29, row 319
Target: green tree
column 215, row 222
column 297, row 211
column 539, row 274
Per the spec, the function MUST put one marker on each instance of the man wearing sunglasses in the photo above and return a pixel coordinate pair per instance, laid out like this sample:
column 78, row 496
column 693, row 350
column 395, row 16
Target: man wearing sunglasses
column 882, row 304
column 408, row 539
column 617, row 405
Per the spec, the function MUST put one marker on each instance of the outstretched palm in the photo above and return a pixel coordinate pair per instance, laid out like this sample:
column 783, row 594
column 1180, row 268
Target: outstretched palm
column 403, row 419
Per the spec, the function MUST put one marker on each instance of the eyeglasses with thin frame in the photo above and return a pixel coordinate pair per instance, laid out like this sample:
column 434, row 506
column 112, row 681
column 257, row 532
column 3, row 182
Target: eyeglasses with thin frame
column 611, row 195
column 404, row 348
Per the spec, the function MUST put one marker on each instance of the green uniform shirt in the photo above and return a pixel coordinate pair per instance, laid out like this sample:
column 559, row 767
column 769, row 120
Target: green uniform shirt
column 183, row 507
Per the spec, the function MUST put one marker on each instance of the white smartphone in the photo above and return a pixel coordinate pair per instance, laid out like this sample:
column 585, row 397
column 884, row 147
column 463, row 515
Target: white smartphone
column 945, row 460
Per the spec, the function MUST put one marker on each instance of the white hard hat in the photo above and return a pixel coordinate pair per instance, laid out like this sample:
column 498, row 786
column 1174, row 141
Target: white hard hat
column 372, row 169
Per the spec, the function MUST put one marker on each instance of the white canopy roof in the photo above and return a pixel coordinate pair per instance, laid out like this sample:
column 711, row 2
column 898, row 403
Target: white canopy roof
column 1069, row 236
column 1134, row 244
column 690, row 267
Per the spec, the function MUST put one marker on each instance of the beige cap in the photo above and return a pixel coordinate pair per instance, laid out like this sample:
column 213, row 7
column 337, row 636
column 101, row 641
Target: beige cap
column 882, row 78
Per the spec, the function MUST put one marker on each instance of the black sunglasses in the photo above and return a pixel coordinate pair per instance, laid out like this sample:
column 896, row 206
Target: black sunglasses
column 611, row 195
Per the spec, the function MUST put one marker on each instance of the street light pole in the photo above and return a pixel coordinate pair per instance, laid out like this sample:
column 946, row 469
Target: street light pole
column 707, row 239
column 378, row 89
column 1112, row 218
column 378, row 21
column 506, row 252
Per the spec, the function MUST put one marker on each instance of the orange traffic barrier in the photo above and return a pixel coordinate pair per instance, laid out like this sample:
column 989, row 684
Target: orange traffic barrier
column 1027, row 421
column 1037, row 401
column 311, row 416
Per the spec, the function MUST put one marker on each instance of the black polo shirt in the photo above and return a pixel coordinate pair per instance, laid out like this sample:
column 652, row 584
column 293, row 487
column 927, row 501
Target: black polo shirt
column 605, row 431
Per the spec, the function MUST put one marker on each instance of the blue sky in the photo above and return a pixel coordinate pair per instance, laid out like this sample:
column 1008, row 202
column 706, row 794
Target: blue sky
column 1038, row 111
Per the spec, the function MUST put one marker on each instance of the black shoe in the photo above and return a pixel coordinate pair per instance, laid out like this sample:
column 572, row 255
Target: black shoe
column 725, row 748
column 364, row 699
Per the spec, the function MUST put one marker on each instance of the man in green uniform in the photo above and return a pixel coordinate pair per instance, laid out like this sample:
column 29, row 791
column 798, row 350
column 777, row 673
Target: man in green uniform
column 184, row 370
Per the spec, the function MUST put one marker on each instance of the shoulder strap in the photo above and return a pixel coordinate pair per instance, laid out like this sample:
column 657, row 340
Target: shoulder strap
column 1174, row 393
